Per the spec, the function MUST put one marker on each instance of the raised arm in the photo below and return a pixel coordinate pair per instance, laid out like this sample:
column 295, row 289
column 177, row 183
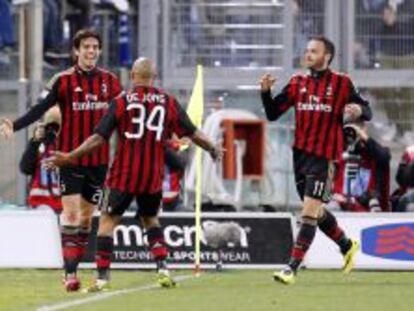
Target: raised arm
column 275, row 107
column 47, row 99
column 201, row 140
column 102, row 133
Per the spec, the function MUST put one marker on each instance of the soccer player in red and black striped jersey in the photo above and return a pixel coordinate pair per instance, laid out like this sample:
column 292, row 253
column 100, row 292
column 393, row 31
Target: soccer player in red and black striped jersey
column 320, row 99
column 144, row 118
column 83, row 93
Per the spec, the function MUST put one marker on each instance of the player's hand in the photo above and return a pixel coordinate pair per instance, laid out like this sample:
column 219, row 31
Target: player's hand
column 6, row 128
column 39, row 131
column 266, row 82
column 352, row 112
column 217, row 152
column 58, row 159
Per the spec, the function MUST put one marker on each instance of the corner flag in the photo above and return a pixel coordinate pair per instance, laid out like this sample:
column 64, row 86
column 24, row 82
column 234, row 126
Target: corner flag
column 195, row 111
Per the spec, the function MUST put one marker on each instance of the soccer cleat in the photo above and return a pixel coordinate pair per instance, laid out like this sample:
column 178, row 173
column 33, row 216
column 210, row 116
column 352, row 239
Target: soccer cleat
column 349, row 257
column 285, row 276
column 99, row 285
column 165, row 280
column 71, row 283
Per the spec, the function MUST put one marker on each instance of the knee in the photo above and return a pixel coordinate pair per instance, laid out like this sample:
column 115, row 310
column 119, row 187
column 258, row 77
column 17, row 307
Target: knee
column 107, row 224
column 86, row 214
column 150, row 222
column 70, row 217
column 312, row 208
column 85, row 221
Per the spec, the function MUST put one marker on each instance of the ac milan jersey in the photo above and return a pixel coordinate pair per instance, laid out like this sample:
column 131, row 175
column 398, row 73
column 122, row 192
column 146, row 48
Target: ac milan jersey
column 174, row 171
column 319, row 101
column 83, row 98
column 144, row 118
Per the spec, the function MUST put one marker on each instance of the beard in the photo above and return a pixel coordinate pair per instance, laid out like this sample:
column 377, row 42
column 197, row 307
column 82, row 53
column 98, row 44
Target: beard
column 316, row 64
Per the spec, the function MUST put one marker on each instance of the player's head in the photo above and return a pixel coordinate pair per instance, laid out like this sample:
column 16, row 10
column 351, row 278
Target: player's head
column 143, row 72
column 87, row 45
column 319, row 53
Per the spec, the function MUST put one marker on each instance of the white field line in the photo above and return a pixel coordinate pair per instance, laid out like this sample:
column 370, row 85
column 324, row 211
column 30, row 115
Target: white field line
column 104, row 295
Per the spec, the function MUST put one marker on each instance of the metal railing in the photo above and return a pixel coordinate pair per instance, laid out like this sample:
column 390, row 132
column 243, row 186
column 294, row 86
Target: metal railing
column 14, row 78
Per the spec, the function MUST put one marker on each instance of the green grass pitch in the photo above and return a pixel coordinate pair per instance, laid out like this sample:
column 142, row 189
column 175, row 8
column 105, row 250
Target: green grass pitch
column 229, row 290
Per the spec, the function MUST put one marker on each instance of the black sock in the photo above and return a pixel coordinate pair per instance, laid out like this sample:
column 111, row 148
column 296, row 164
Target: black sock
column 161, row 264
column 303, row 241
column 328, row 225
column 70, row 248
column 157, row 246
column 83, row 241
column 104, row 248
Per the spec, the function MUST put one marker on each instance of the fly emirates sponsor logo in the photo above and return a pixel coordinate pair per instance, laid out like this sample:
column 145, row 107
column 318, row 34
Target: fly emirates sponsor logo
column 314, row 104
column 91, row 103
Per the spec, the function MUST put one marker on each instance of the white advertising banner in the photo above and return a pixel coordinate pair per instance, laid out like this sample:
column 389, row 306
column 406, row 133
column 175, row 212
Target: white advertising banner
column 387, row 242
column 264, row 240
column 29, row 239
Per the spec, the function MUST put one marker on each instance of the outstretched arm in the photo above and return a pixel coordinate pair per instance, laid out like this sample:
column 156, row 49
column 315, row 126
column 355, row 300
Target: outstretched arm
column 90, row 144
column 63, row 159
column 274, row 107
column 102, row 133
column 200, row 139
column 47, row 99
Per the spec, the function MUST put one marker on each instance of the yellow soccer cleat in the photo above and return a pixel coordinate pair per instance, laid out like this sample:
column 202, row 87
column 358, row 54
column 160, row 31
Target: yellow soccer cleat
column 99, row 285
column 165, row 280
column 349, row 257
column 285, row 276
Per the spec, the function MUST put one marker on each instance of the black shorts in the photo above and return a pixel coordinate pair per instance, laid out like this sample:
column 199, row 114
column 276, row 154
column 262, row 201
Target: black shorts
column 313, row 175
column 84, row 180
column 116, row 202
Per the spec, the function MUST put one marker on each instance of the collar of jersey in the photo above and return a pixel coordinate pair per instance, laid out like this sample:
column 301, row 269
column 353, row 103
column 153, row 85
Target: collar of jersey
column 86, row 72
column 317, row 74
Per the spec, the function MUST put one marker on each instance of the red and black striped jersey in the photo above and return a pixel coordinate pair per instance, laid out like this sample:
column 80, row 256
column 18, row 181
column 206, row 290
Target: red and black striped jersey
column 83, row 98
column 319, row 99
column 144, row 118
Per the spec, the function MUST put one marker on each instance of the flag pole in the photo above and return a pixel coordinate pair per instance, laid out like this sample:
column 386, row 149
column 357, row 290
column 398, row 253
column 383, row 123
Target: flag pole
column 195, row 111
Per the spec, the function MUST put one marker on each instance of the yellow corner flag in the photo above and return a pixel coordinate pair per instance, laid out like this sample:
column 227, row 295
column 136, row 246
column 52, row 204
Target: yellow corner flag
column 195, row 108
column 195, row 111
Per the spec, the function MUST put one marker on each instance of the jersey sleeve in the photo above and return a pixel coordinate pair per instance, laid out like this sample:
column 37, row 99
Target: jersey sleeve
column 355, row 97
column 108, row 122
column 48, row 98
column 116, row 86
column 277, row 106
column 181, row 123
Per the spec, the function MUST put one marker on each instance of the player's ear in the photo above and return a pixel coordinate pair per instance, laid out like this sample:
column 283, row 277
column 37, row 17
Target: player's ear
column 75, row 52
column 327, row 58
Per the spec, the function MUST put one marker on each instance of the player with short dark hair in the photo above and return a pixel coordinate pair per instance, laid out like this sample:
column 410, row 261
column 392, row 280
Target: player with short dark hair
column 144, row 118
column 320, row 99
column 83, row 93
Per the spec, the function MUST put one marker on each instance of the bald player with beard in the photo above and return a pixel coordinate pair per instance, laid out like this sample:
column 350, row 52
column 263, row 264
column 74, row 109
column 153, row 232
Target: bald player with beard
column 144, row 118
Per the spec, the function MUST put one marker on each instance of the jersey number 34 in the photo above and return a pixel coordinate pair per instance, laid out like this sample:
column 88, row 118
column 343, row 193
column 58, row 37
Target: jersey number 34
column 154, row 122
